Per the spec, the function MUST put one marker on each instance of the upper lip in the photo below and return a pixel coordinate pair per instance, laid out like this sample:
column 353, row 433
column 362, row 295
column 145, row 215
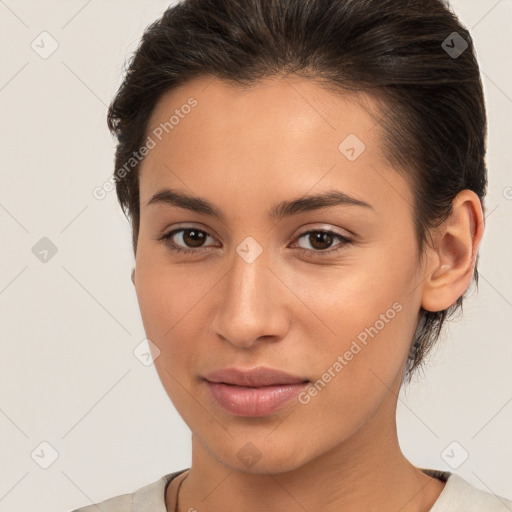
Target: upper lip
column 260, row 376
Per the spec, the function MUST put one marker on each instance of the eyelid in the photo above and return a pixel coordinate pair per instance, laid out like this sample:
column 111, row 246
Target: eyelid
column 325, row 227
column 344, row 240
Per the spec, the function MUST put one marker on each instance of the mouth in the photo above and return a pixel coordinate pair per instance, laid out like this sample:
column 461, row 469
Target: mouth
column 251, row 393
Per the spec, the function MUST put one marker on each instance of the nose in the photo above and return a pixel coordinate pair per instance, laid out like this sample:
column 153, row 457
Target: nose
column 252, row 305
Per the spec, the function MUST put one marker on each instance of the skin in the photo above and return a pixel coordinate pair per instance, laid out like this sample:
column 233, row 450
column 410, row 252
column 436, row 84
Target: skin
column 245, row 150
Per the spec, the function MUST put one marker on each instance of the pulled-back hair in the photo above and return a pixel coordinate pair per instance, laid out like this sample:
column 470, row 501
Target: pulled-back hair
column 403, row 52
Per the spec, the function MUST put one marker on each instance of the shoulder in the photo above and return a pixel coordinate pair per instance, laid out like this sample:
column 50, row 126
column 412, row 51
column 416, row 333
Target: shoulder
column 122, row 503
column 459, row 495
column 151, row 498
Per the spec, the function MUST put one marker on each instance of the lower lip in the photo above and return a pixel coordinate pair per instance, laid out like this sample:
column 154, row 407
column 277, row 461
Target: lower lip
column 252, row 402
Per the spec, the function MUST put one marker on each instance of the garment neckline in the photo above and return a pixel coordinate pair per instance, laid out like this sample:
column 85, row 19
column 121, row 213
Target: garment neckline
column 443, row 476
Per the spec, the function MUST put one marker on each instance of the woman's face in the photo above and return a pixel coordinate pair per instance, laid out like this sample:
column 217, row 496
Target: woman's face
column 257, row 289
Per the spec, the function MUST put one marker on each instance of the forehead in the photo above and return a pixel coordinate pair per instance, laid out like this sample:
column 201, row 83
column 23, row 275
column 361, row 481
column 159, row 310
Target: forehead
column 292, row 107
column 286, row 134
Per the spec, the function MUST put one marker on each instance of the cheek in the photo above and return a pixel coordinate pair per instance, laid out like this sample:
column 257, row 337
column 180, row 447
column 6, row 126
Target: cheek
column 165, row 294
column 370, row 314
column 172, row 305
column 346, row 301
column 166, row 314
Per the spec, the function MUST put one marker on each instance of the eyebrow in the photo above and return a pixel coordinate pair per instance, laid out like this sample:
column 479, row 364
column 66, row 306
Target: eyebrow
column 278, row 211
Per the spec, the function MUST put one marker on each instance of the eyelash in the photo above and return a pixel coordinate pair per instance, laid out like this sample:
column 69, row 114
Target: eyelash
column 165, row 238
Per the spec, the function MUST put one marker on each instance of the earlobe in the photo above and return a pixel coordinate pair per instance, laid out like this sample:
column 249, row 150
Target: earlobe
column 454, row 256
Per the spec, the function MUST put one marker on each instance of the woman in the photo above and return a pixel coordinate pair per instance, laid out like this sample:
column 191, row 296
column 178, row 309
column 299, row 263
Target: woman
column 305, row 182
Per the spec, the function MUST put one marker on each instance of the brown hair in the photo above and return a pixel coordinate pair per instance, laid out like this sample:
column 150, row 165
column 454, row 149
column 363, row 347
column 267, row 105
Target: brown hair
column 414, row 55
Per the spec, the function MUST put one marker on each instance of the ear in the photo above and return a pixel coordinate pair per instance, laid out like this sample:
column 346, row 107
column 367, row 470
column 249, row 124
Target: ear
column 133, row 275
column 451, row 262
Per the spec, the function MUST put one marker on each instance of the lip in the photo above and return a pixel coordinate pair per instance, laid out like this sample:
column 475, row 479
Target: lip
column 256, row 392
column 254, row 377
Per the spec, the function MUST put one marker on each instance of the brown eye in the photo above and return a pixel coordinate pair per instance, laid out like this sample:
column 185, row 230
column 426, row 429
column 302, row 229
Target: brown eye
column 193, row 237
column 191, row 240
column 321, row 240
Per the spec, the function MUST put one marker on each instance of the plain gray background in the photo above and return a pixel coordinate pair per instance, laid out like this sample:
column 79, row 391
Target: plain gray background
column 69, row 326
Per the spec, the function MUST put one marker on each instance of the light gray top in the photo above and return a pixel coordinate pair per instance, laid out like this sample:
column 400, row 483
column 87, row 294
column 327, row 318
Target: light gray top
column 458, row 495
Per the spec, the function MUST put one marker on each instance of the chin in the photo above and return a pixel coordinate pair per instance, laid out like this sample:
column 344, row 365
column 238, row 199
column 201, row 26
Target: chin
column 255, row 457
